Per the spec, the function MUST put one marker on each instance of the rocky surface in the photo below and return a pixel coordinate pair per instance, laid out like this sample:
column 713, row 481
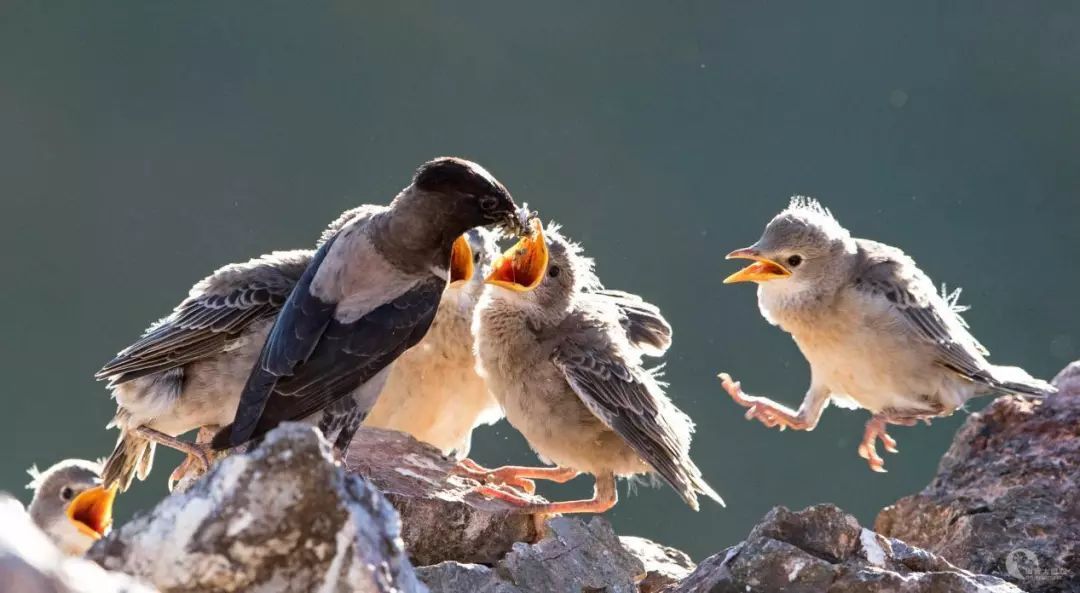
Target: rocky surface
column 1005, row 499
column 824, row 550
column 663, row 565
column 573, row 557
column 30, row 563
column 443, row 518
column 283, row 517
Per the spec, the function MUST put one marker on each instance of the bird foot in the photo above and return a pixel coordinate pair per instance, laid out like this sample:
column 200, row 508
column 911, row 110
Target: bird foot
column 876, row 429
column 763, row 409
column 524, row 505
column 470, row 469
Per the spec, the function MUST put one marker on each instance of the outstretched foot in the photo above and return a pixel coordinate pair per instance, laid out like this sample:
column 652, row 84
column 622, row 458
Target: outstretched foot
column 470, row 469
column 876, row 429
column 604, row 497
column 763, row 409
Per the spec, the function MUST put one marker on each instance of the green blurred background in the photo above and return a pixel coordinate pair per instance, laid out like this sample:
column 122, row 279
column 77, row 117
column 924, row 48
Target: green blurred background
column 145, row 143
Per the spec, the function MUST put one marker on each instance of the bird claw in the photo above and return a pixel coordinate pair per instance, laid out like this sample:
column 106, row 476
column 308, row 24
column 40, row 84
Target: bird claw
column 470, row 469
column 875, row 429
column 758, row 408
column 499, row 494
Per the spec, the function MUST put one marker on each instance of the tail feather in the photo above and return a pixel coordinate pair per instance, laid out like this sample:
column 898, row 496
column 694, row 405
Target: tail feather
column 132, row 456
column 1016, row 380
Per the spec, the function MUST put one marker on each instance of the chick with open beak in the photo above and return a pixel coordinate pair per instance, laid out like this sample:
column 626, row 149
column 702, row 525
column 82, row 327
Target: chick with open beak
column 874, row 329
column 70, row 505
column 559, row 355
column 433, row 392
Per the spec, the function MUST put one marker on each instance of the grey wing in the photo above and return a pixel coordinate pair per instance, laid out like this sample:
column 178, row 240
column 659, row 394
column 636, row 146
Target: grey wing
column 628, row 400
column 221, row 307
column 642, row 321
column 892, row 276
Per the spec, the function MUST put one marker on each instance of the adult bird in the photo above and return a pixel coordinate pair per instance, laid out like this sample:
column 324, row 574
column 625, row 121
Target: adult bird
column 370, row 292
column 71, row 505
column 564, row 358
column 188, row 370
column 434, row 392
column 874, row 329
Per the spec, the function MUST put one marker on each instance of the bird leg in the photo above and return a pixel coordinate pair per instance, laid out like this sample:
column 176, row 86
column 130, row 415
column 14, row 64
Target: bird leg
column 773, row 414
column 190, row 462
column 876, row 429
column 516, row 475
column 604, row 497
column 200, row 451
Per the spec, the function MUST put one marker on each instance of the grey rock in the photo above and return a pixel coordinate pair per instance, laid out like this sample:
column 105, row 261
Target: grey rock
column 574, row 557
column 442, row 516
column 663, row 565
column 30, row 563
column 283, row 517
column 1004, row 500
column 823, row 550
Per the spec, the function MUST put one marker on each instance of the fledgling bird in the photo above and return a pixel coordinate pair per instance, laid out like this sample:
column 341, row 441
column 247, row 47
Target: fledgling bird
column 70, row 504
column 189, row 369
column 872, row 326
column 434, row 392
column 370, row 292
column 563, row 357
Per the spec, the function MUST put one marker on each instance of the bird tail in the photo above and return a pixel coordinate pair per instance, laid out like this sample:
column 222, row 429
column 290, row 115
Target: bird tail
column 686, row 479
column 133, row 456
column 1017, row 380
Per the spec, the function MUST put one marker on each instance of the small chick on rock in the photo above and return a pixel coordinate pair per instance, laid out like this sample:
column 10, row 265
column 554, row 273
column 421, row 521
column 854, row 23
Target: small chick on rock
column 433, row 392
column 563, row 357
column 875, row 331
column 70, row 505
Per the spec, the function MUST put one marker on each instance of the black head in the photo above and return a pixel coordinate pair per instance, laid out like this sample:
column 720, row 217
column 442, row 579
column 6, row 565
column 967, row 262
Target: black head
column 475, row 191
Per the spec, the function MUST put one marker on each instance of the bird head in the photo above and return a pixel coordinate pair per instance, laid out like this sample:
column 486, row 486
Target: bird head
column 70, row 504
column 544, row 269
column 799, row 248
column 474, row 196
column 471, row 259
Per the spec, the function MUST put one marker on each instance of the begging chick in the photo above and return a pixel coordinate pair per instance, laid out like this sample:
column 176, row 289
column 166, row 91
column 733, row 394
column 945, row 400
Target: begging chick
column 70, row 505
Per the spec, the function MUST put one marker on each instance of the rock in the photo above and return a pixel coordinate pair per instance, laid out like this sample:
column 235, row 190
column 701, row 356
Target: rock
column 663, row 565
column 574, row 557
column 283, row 517
column 30, row 563
column 442, row 517
column 822, row 549
column 1004, row 500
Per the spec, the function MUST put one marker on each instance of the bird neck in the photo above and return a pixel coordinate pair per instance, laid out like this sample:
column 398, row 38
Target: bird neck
column 419, row 229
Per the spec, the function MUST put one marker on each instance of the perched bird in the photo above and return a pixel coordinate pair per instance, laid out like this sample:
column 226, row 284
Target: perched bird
column 188, row 371
column 433, row 392
column 70, row 504
column 875, row 331
column 563, row 357
column 370, row 292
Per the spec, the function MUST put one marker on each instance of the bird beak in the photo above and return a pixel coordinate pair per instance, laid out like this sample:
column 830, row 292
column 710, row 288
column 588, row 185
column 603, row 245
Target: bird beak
column 91, row 511
column 461, row 262
column 762, row 270
column 522, row 267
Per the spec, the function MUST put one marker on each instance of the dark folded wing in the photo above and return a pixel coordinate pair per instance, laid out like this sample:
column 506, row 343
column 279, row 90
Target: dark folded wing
column 203, row 324
column 642, row 321
column 346, row 356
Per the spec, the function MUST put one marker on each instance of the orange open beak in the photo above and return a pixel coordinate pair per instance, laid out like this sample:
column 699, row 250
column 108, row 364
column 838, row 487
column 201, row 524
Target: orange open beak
column 762, row 270
column 522, row 267
column 461, row 261
column 91, row 511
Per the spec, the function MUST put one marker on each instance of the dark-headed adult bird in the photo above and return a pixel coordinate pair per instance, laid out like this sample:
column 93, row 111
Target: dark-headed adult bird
column 370, row 292
column 434, row 392
column 71, row 505
column 188, row 371
column 564, row 358
column 874, row 329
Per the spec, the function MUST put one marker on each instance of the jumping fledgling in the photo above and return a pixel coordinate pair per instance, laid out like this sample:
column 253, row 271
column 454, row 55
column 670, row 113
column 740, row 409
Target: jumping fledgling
column 875, row 331
column 189, row 369
column 433, row 392
column 70, row 505
column 563, row 357
column 370, row 292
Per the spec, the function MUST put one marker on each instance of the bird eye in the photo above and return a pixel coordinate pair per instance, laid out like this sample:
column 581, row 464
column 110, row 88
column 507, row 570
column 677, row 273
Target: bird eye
column 488, row 202
column 794, row 260
column 67, row 493
column 553, row 271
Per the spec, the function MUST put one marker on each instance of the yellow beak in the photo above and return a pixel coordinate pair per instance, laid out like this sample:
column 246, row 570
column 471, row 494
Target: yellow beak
column 461, row 261
column 91, row 511
column 762, row 270
column 522, row 267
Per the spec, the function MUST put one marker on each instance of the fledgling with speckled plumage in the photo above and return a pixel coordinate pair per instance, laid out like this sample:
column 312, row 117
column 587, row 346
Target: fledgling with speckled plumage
column 874, row 329
column 564, row 358
column 70, row 504
column 434, row 392
column 302, row 334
